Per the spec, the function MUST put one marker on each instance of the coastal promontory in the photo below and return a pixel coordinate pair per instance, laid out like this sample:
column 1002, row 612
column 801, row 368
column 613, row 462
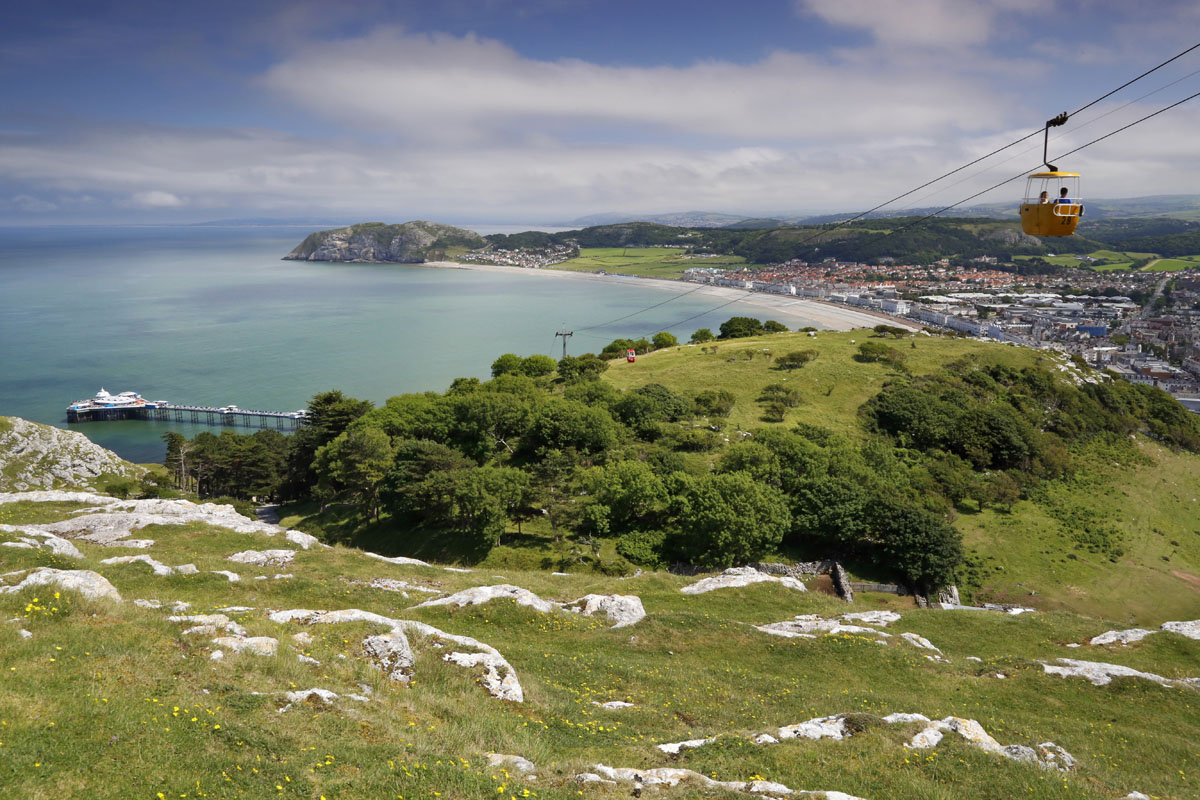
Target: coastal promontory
column 377, row 242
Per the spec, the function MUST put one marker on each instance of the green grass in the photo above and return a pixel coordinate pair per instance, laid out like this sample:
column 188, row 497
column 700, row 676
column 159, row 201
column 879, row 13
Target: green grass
column 1118, row 260
column 112, row 701
column 1174, row 264
column 647, row 262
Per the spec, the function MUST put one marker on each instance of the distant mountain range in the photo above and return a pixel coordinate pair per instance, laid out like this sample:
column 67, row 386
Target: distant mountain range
column 1183, row 206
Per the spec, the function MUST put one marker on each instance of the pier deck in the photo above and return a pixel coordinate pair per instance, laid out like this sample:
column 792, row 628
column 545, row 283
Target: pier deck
column 196, row 415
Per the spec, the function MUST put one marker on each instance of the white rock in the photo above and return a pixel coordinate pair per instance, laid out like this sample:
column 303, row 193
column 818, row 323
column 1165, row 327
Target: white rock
column 232, row 577
column 919, row 641
column 303, row 659
column 1100, row 673
column 393, row 585
column 36, row 456
column 505, row 760
column 872, row 617
column 323, row 697
column 216, row 655
column 32, row 537
column 673, row 748
column 483, row 594
column 456, row 569
column 91, row 585
column 765, row 738
column 809, row 625
column 1047, row 755
column 213, row 622
column 264, row 558
column 926, row 738
column 187, row 569
column 304, row 638
column 819, row 728
column 621, row 609
column 591, row 777
column 415, row 562
column 500, row 679
column 666, row 776
column 903, row 719
column 740, row 576
column 391, row 653
column 301, row 540
column 1121, row 637
column 1136, row 796
column 255, row 645
column 24, row 634
column 1189, row 629
column 613, row 705
column 158, row 567
column 19, row 545
column 235, row 609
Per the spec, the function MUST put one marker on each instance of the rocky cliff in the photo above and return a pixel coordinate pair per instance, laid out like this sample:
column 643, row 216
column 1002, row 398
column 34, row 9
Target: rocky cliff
column 376, row 242
column 34, row 456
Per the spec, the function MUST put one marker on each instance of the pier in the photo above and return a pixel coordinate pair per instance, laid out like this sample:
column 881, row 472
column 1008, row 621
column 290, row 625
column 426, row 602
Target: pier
column 226, row 417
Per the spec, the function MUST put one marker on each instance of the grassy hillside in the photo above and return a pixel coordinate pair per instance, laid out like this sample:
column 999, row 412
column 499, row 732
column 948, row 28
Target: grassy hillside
column 113, row 700
column 648, row 262
column 1030, row 555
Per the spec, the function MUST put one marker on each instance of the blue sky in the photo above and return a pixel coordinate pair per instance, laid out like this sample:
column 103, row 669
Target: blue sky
column 534, row 112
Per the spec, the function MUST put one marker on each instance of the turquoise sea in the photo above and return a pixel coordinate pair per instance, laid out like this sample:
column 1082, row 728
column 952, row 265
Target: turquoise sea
column 212, row 316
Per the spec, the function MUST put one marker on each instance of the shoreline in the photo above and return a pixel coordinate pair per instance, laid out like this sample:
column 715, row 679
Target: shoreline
column 825, row 316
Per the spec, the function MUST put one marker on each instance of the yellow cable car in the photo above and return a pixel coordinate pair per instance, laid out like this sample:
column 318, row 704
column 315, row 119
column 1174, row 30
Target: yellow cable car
column 1052, row 204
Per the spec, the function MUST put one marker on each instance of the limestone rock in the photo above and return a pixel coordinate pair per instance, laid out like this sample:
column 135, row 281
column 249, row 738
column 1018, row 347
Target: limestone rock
column 375, row 242
column 401, row 560
column 483, row 594
column 622, row 610
column 1189, row 629
column 391, row 653
column 1121, row 637
column 1101, row 674
column 739, row 576
column 91, row 585
column 264, row 558
column 254, row 645
column 157, row 566
column 34, row 538
column 34, row 456
column 505, row 760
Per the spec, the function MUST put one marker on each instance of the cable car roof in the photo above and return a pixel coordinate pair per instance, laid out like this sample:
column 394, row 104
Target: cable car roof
column 1055, row 175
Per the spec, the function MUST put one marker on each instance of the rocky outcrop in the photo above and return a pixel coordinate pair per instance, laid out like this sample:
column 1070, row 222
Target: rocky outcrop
column 34, row 456
column 91, row 585
column 375, row 242
column 735, row 577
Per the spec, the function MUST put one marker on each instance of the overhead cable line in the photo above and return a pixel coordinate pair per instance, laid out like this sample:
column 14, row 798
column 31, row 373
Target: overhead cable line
column 1018, row 176
column 971, row 163
column 1021, row 174
column 641, row 311
column 1078, row 127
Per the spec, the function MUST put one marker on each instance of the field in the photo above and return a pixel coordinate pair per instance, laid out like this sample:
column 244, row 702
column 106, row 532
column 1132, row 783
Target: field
column 1026, row 555
column 1174, row 264
column 646, row 262
column 113, row 700
column 1119, row 261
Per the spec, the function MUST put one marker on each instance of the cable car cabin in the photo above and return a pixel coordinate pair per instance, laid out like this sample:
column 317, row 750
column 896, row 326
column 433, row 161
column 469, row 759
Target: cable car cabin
column 1052, row 204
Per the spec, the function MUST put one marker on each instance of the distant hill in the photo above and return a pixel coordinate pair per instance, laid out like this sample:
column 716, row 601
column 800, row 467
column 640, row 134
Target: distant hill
column 377, row 242
column 685, row 219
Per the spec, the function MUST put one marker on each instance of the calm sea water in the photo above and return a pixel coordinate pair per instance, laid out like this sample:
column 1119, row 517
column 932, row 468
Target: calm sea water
column 213, row 316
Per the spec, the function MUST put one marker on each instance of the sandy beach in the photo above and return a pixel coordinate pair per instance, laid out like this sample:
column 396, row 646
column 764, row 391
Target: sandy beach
column 795, row 312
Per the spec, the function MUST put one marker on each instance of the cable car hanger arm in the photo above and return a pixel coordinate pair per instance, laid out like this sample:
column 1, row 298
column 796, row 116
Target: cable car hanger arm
column 1061, row 119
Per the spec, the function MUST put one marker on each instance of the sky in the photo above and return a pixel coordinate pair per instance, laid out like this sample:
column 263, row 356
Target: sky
column 543, row 111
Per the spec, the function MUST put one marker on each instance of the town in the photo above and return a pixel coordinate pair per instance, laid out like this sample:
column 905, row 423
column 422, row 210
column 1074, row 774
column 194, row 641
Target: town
column 1140, row 326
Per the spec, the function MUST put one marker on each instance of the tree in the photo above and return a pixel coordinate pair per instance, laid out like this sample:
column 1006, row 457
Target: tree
column 714, row 402
column 561, row 424
column 476, row 502
column 354, row 465
column 329, row 414
column 728, row 519
column 631, row 494
column 701, row 336
column 581, row 368
column 662, row 340
column 795, row 359
column 740, row 327
column 917, row 546
column 507, row 364
column 772, row 326
column 537, row 366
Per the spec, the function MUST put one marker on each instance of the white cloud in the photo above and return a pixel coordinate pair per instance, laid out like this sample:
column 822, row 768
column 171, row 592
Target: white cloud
column 925, row 23
column 155, row 198
column 467, row 89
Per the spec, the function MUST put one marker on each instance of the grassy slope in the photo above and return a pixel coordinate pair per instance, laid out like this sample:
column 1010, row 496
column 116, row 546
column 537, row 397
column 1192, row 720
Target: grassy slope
column 648, row 262
column 1152, row 505
column 112, row 701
